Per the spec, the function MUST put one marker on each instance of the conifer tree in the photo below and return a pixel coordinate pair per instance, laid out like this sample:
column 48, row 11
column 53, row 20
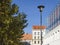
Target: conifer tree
column 11, row 27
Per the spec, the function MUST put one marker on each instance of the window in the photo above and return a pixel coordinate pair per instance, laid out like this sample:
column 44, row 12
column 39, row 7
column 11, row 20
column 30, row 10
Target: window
column 58, row 30
column 34, row 33
column 34, row 42
column 55, row 32
column 38, row 42
column 38, row 33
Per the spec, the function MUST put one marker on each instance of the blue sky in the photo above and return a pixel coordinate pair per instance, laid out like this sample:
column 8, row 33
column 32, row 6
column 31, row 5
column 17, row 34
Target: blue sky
column 29, row 7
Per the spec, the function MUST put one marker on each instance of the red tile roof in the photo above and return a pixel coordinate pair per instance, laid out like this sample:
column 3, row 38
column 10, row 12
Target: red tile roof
column 39, row 27
column 27, row 37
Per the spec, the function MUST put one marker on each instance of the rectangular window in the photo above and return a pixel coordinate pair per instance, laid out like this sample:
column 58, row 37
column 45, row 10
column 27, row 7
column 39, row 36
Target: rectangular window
column 34, row 33
column 38, row 33
column 38, row 42
column 34, row 42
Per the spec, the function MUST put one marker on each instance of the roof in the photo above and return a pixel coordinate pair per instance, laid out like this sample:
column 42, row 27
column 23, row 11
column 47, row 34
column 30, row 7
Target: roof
column 27, row 37
column 39, row 27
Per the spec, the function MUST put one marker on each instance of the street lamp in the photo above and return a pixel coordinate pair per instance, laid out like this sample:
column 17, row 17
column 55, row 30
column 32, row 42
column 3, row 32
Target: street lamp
column 41, row 9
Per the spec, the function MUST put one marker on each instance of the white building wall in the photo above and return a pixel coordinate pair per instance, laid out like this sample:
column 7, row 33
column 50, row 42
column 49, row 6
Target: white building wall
column 36, row 36
column 36, row 42
column 36, row 33
column 52, row 37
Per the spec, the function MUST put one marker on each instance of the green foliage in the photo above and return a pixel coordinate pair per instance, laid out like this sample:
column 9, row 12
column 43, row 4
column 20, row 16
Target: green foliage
column 11, row 27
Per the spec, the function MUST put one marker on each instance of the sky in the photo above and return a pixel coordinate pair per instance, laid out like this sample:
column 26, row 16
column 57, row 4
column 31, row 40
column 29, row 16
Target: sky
column 29, row 7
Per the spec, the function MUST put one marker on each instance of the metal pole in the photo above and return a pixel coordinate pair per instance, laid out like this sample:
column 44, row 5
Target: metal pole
column 41, row 25
column 41, row 8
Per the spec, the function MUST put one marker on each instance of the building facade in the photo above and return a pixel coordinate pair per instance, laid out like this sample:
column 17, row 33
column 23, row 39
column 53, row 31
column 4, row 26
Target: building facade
column 53, row 37
column 36, row 34
column 35, row 37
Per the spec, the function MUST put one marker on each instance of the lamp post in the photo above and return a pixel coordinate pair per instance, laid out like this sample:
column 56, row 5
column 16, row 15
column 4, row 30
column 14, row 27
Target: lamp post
column 41, row 9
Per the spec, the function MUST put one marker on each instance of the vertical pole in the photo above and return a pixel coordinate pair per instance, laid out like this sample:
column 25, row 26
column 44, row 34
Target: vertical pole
column 40, row 8
column 41, row 25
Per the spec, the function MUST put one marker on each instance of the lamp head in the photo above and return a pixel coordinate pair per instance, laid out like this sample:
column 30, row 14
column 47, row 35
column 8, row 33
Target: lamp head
column 41, row 8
